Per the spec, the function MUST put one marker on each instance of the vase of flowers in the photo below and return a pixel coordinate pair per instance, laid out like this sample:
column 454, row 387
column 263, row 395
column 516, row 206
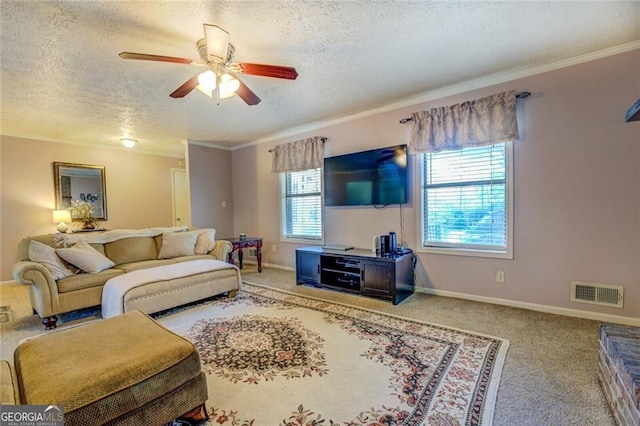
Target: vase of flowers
column 83, row 211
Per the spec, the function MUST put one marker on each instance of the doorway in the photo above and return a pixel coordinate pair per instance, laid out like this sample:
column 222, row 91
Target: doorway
column 180, row 198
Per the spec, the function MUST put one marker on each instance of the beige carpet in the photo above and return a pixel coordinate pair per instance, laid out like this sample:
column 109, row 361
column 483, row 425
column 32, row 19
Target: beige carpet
column 550, row 372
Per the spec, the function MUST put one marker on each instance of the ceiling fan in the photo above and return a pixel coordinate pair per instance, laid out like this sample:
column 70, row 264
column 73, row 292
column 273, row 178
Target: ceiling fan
column 216, row 53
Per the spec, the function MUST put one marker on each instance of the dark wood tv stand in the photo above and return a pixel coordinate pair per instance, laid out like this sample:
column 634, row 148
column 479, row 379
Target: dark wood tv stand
column 357, row 271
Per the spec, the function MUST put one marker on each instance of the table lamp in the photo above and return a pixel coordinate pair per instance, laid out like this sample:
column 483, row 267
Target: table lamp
column 60, row 217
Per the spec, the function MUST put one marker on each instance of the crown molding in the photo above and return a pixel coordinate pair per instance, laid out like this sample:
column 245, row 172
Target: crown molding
column 95, row 145
column 207, row 144
column 454, row 89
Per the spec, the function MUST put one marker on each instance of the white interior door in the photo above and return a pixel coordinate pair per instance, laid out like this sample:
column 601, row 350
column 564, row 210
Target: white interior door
column 180, row 198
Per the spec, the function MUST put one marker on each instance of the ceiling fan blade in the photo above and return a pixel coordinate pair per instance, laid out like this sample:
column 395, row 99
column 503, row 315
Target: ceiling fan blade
column 147, row 57
column 217, row 42
column 247, row 95
column 186, row 88
column 275, row 71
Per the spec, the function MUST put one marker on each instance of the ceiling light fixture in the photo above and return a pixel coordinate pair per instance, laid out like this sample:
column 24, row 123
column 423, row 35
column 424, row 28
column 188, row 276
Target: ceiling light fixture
column 128, row 142
column 226, row 84
column 216, row 51
column 207, row 83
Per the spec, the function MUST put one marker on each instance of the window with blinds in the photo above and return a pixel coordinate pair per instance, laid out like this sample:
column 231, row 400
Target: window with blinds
column 302, row 205
column 467, row 199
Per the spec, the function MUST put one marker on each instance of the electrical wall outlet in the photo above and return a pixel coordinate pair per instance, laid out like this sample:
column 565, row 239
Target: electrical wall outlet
column 500, row 276
column 274, row 248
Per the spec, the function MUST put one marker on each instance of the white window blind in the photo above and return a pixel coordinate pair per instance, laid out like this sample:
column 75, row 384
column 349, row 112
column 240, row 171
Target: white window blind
column 302, row 204
column 466, row 199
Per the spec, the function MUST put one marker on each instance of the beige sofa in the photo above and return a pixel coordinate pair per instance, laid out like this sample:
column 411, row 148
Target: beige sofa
column 129, row 251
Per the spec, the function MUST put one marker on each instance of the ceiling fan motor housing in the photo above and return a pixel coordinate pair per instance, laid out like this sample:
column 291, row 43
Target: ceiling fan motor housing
column 202, row 51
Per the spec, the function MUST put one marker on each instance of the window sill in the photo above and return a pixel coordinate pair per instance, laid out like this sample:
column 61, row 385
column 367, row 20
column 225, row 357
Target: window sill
column 308, row 241
column 466, row 252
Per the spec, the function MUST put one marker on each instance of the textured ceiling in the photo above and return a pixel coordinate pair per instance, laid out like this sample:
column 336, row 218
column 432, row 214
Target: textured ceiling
column 62, row 78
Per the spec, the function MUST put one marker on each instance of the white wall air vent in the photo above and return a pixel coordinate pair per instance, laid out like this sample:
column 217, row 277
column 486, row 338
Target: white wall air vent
column 597, row 294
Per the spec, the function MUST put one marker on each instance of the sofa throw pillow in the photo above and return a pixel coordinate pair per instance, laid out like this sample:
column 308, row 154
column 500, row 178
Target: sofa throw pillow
column 176, row 244
column 206, row 241
column 46, row 255
column 86, row 258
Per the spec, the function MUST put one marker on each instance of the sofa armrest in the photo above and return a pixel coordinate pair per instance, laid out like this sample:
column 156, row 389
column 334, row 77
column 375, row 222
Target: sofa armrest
column 222, row 249
column 44, row 293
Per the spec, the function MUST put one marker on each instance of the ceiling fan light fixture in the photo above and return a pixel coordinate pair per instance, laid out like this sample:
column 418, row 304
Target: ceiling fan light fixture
column 229, row 85
column 128, row 142
column 207, row 83
column 217, row 42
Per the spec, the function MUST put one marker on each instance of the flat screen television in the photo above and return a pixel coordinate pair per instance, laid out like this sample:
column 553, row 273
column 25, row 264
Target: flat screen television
column 374, row 177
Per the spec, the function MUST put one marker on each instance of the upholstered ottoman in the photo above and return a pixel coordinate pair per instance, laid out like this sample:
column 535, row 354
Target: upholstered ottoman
column 9, row 392
column 126, row 370
column 163, row 287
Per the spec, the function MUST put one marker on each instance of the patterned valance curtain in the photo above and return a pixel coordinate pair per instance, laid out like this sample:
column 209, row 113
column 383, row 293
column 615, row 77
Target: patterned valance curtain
column 484, row 121
column 300, row 155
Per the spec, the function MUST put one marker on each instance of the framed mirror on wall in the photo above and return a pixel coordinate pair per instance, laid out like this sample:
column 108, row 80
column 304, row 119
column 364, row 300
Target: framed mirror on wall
column 81, row 182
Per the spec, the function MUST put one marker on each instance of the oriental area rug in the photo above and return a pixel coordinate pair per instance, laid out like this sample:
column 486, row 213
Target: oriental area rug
column 275, row 358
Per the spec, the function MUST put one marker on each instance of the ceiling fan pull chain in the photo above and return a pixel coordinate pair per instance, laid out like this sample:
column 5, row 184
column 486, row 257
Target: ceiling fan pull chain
column 218, row 81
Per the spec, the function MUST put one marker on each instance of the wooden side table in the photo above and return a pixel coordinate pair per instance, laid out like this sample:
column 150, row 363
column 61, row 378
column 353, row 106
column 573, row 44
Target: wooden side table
column 240, row 243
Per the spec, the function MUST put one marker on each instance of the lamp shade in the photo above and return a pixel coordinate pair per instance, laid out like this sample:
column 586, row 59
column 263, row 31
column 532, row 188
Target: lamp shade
column 61, row 216
column 228, row 86
column 207, row 83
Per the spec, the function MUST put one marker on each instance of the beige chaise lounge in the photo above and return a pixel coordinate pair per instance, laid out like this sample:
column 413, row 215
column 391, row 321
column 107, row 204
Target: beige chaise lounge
column 126, row 250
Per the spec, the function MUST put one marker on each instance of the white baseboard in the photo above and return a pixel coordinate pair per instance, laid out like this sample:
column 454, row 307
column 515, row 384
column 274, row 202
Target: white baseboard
column 595, row 316
column 8, row 282
column 284, row 268
column 269, row 265
column 577, row 313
